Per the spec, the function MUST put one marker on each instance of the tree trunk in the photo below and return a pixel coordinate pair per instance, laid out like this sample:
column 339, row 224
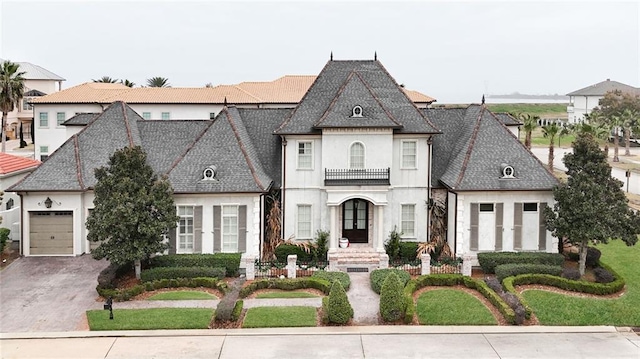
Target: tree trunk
column 583, row 256
column 138, row 268
column 527, row 140
column 627, row 141
column 551, row 156
column 4, row 135
column 615, row 146
column 606, row 150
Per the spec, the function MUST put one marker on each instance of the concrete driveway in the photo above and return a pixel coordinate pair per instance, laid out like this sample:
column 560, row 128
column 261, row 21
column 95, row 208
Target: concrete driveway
column 48, row 293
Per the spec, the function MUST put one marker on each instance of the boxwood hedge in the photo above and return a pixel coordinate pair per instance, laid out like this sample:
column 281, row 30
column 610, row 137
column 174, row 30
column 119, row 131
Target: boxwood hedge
column 378, row 276
column 152, row 274
column 490, row 260
column 230, row 261
column 512, row 269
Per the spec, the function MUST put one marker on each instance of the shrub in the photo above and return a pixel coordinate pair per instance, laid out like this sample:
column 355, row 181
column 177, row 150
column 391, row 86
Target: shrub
column 331, row 277
column 337, row 308
column 571, row 273
column 4, row 237
column 593, row 257
column 392, row 244
column 602, row 275
column 321, row 246
column 181, row 272
column 490, row 260
column 378, row 277
column 494, row 284
column 408, row 251
column 224, row 310
column 409, row 305
column 126, row 294
column 230, row 261
column 237, row 310
column 284, row 250
column 286, row 284
column 512, row 269
column 392, row 301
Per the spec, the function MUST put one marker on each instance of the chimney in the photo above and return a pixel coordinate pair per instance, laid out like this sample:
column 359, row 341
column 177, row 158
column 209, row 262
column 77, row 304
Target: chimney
column 608, row 79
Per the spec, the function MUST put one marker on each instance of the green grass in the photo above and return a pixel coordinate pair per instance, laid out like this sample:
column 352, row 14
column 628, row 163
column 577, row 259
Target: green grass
column 182, row 295
column 271, row 295
column 275, row 317
column 558, row 309
column 155, row 318
column 452, row 307
column 545, row 110
column 538, row 139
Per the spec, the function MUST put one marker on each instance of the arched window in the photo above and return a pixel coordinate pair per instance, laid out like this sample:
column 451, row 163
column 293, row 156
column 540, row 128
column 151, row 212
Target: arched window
column 356, row 155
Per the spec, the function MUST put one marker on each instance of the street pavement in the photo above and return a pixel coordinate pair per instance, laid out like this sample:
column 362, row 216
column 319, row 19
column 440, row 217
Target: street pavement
column 331, row 342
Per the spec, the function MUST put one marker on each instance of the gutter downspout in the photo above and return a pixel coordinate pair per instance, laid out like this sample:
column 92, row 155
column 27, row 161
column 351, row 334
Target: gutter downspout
column 21, row 224
column 429, row 199
column 284, row 182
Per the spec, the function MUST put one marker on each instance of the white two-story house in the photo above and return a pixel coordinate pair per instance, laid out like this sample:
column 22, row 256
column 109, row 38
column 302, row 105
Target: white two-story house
column 582, row 101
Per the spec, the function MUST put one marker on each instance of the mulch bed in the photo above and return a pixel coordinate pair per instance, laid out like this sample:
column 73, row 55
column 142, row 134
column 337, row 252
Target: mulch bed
column 10, row 253
column 317, row 292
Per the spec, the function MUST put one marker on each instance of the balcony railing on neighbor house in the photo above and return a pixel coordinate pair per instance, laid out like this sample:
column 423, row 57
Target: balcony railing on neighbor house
column 368, row 176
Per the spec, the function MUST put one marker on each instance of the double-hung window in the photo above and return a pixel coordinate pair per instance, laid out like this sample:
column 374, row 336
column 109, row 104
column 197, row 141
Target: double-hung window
column 304, row 221
column 409, row 154
column 60, row 117
column 185, row 229
column 44, row 119
column 166, row 115
column 408, row 220
column 230, row 229
column 146, row 115
column 305, row 155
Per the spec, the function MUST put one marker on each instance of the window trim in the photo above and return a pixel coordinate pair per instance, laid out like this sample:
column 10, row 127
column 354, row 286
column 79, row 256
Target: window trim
column 298, row 235
column 222, row 232
column 310, row 142
column 402, row 220
column 415, row 154
column 193, row 234
column 364, row 156
column 40, row 118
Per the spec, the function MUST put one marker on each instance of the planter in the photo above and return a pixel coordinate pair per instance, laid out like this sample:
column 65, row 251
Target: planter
column 344, row 243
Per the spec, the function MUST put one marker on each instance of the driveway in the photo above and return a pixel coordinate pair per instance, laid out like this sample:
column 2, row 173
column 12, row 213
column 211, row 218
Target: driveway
column 48, row 294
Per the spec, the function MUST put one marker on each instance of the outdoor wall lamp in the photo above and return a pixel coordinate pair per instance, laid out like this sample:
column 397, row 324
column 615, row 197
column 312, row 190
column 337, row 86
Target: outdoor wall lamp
column 48, row 203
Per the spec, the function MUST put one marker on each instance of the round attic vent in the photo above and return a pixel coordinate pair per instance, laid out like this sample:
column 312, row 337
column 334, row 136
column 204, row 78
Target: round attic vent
column 357, row 111
column 507, row 171
column 209, row 173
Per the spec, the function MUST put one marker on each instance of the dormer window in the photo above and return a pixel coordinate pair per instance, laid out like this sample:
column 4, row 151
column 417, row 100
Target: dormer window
column 507, row 171
column 357, row 111
column 209, row 173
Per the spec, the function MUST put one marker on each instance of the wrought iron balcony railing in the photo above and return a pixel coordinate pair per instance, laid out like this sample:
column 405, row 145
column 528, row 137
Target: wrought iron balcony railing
column 346, row 177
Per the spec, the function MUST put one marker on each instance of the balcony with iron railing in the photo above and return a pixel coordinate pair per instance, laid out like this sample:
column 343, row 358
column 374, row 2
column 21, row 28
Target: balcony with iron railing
column 360, row 176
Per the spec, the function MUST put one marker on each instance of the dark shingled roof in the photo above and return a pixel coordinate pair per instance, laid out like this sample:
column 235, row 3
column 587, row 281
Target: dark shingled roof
column 507, row 119
column 469, row 155
column 80, row 119
column 337, row 83
column 601, row 88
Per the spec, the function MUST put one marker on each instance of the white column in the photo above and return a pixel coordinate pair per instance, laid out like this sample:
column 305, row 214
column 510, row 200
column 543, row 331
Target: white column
column 292, row 260
column 333, row 236
column 426, row 264
column 381, row 234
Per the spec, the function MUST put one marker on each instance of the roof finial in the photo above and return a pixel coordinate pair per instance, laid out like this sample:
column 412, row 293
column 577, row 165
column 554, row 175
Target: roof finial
column 483, row 99
column 375, row 56
column 225, row 101
column 331, row 57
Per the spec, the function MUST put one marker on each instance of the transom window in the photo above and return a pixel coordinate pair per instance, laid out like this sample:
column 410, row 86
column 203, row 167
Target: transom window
column 305, row 155
column 408, row 220
column 409, row 152
column 486, row 207
column 530, row 207
column 356, row 155
column 185, row 229
column 304, row 221
column 230, row 229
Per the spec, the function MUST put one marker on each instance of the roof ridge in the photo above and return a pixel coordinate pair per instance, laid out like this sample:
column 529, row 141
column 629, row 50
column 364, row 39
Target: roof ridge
column 471, row 142
column 127, row 124
column 335, row 98
column 76, row 149
column 244, row 151
column 189, row 148
column 248, row 93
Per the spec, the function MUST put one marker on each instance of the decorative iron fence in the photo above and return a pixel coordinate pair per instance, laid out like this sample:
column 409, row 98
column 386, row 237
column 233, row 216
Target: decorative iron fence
column 369, row 176
column 274, row 269
column 306, row 269
column 446, row 269
column 412, row 267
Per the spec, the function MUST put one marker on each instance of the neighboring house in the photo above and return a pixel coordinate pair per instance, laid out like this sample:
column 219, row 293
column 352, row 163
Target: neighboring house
column 12, row 170
column 164, row 103
column 38, row 82
column 582, row 101
column 356, row 157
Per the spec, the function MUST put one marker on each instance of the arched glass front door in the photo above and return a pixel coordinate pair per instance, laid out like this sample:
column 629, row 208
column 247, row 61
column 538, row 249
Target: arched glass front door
column 355, row 214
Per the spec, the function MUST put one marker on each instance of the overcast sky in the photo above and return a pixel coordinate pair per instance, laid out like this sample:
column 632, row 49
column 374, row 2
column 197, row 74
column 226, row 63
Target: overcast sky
column 453, row 51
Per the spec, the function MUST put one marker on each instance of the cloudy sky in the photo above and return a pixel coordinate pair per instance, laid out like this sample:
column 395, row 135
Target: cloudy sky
column 453, row 51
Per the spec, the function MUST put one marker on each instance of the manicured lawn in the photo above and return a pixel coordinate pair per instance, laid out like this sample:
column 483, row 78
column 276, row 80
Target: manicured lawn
column 182, row 295
column 273, row 317
column 538, row 139
column 558, row 309
column 156, row 318
column 544, row 110
column 452, row 307
column 270, row 295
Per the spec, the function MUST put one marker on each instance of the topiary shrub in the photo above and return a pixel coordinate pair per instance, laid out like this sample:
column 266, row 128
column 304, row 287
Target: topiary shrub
column 336, row 306
column 602, row 275
column 392, row 244
column 508, row 270
column 378, row 277
column 408, row 251
column 490, row 260
column 321, row 246
column 284, row 250
column 237, row 310
column 331, row 277
column 571, row 273
column 593, row 257
column 392, row 301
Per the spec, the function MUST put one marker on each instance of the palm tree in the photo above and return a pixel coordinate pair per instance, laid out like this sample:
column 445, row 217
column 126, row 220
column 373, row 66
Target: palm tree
column 550, row 132
column 629, row 118
column 615, row 122
column 11, row 91
column 530, row 124
column 127, row 83
column 106, row 79
column 597, row 126
column 158, row 82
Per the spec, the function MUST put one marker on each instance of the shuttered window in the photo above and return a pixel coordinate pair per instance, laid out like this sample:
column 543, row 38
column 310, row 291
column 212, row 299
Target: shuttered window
column 185, row 230
column 229, row 229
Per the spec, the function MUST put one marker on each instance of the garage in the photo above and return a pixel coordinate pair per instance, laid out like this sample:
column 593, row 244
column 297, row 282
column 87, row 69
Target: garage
column 51, row 233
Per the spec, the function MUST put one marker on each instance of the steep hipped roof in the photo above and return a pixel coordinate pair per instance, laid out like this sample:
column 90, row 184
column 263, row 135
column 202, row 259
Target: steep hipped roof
column 474, row 147
column 382, row 88
column 81, row 119
column 35, row 72
column 10, row 163
column 601, row 88
column 507, row 119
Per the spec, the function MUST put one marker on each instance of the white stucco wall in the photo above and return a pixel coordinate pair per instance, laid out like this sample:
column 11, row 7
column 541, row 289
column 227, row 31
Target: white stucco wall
column 581, row 106
column 53, row 136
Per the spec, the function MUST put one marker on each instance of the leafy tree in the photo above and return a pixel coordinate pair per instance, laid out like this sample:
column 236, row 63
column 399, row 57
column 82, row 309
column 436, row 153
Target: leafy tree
column 133, row 209
column 11, row 91
column 590, row 206
column 597, row 126
column 529, row 124
column 630, row 120
column 619, row 110
column 106, row 79
column 550, row 132
column 127, row 83
column 158, row 82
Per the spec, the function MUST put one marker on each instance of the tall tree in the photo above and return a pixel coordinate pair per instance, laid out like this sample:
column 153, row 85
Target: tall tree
column 591, row 206
column 615, row 108
column 127, row 83
column 529, row 124
column 615, row 122
column 106, row 79
column 11, row 91
column 550, row 132
column 596, row 125
column 630, row 118
column 158, row 82
column 133, row 209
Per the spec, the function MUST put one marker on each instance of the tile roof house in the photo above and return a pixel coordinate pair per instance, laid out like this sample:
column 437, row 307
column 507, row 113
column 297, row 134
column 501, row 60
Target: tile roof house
column 356, row 157
column 12, row 170
column 582, row 101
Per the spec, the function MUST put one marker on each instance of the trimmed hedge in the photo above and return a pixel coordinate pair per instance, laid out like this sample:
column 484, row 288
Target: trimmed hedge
column 336, row 306
column 334, row 276
column 451, row 280
column 490, row 260
column 108, row 276
column 152, row 274
column 392, row 304
column 121, row 295
column 230, row 261
column 237, row 310
column 512, row 269
column 408, row 251
column 378, row 277
column 287, row 284
column 284, row 250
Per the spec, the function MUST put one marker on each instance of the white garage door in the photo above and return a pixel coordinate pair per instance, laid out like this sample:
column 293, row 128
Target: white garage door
column 51, row 232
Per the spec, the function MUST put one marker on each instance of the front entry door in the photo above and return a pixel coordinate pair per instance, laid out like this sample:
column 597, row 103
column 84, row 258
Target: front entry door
column 354, row 220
